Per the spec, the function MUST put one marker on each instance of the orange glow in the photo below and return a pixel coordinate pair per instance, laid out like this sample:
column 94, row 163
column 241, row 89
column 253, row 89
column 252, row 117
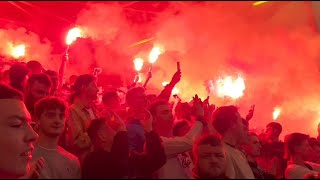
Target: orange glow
column 141, row 77
column 73, row 34
column 138, row 64
column 276, row 113
column 142, row 42
column 154, row 54
column 18, row 51
column 230, row 88
column 259, row 2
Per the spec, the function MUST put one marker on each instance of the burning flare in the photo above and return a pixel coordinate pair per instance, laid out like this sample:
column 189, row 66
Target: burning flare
column 154, row 54
column 230, row 88
column 18, row 51
column 276, row 113
column 73, row 34
column 142, row 77
column 138, row 64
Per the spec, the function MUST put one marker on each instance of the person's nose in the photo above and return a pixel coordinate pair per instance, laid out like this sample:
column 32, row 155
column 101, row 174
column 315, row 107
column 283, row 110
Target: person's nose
column 31, row 136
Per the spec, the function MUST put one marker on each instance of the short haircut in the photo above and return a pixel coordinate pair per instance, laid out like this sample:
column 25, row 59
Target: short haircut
column 93, row 128
column 42, row 78
column 291, row 141
column 153, row 106
column 17, row 72
column 177, row 126
column 107, row 96
column 7, row 92
column 34, row 65
column 209, row 139
column 82, row 80
column 224, row 118
column 275, row 125
column 49, row 103
column 130, row 96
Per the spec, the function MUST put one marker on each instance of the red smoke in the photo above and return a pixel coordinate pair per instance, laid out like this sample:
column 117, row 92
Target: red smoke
column 274, row 48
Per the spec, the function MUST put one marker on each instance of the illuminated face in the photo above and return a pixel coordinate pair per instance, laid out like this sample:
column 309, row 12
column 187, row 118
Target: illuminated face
column 16, row 139
column 210, row 160
column 52, row 122
column 92, row 90
column 239, row 130
column 272, row 133
column 253, row 147
column 39, row 91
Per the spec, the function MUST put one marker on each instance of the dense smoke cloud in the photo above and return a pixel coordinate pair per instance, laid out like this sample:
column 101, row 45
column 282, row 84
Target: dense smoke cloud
column 35, row 48
column 274, row 48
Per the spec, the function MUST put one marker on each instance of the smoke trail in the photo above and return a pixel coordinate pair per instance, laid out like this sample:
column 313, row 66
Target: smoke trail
column 36, row 48
column 274, row 48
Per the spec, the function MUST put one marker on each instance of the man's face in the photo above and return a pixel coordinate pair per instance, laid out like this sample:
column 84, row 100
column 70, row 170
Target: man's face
column 52, row 122
column 272, row 133
column 16, row 139
column 239, row 129
column 39, row 91
column 253, row 147
column 92, row 91
column 210, row 160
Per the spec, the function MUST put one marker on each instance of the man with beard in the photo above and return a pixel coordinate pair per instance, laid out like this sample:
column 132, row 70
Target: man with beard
column 209, row 158
column 38, row 86
column 50, row 113
column 81, row 111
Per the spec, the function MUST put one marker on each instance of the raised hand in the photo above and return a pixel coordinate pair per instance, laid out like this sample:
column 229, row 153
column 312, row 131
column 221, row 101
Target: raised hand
column 176, row 77
column 250, row 114
column 35, row 169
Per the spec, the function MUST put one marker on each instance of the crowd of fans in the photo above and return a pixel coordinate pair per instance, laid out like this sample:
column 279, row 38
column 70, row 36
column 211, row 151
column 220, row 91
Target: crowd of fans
column 51, row 129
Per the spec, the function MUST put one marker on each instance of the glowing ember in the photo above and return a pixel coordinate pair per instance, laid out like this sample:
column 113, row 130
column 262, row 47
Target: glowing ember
column 141, row 78
column 164, row 84
column 174, row 90
column 138, row 64
column 154, row 54
column 276, row 113
column 73, row 34
column 259, row 2
column 230, row 88
column 18, row 51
